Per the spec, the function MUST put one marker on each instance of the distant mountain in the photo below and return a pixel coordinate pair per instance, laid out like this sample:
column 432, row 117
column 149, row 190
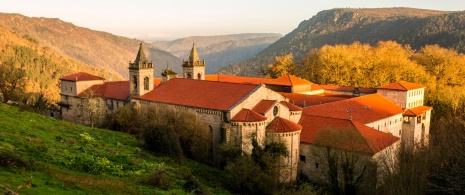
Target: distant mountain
column 222, row 50
column 415, row 27
column 96, row 48
column 43, row 66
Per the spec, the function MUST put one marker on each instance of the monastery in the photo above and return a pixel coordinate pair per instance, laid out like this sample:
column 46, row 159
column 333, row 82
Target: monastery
column 307, row 117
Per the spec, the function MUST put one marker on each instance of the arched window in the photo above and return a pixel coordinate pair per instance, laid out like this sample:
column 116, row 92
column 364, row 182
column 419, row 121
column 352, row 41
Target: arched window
column 199, row 76
column 188, row 76
column 146, row 83
column 275, row 111
column 134, row 82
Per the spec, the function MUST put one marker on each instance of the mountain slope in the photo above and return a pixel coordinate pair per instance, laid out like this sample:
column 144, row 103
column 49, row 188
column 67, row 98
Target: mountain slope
column 96, row 48
column 415, row 27
column 42, row 155
column 221, row 50
column 43, row 67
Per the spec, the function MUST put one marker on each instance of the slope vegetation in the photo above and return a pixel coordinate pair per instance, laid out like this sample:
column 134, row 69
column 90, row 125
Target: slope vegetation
column 220, row 50
column 42, row 155
column 414, row 27
column 96, row 48
column 43, row 66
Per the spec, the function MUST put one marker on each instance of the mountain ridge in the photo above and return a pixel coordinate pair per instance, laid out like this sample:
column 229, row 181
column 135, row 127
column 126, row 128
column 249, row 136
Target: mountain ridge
column 220, row 50
column 415, row 27
column 97, row 48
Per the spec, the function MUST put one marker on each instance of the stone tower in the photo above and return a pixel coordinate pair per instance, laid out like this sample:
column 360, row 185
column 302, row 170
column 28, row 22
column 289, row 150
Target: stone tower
column 193, row 68
column 140, row 74
column 168, row 74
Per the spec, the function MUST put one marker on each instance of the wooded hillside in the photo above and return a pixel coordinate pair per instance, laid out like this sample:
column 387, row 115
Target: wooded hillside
column 415, row 27
column 96, row 48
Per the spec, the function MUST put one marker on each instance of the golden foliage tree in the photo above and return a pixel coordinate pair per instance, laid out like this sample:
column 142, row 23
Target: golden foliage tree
column 283, row 65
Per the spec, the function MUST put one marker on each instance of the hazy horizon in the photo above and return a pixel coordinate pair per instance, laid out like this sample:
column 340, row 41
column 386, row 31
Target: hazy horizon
column 169, row 20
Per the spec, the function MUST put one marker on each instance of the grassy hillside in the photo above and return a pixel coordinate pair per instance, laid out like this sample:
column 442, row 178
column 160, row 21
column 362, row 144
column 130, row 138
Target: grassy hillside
column 42, row 155
column 96, row 48
column 42, row 65
column 415, row 27
column 220, row 50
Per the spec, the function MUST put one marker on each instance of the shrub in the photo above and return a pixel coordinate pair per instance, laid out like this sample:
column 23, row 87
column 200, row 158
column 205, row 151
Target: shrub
column 162, row 140
column 158, row 178
column 9, row 158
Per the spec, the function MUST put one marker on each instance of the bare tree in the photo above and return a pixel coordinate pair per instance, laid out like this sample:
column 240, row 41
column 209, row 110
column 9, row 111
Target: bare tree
column 92, row 108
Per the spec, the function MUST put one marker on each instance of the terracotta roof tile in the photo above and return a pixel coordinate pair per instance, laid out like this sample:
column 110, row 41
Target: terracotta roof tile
column 417, row 111
column 281, row 125
column 401, row 86
column 199, row 93
column 247, row 115
column 291, row 80
column 263, row 106
column 117, row 90
column 348, row 89
column 288, row 80
column 364, row 109
column 81, row 76
column 343, row 134
column 291, row 107
column 304, row 100
column 157, row 82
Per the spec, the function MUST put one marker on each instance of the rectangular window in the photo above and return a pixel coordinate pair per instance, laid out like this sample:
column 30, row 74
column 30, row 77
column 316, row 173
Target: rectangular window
column 302, row 158
column 400, row 132
column 316, row 165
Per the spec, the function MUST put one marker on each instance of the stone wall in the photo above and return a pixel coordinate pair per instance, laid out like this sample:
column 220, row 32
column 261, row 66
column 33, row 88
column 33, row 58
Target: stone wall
column 288, row 172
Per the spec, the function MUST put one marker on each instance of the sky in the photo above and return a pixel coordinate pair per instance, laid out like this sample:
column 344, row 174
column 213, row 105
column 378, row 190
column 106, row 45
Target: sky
column 171, row 19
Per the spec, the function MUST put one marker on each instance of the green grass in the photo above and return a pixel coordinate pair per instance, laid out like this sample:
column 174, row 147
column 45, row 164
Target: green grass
column 51, row 156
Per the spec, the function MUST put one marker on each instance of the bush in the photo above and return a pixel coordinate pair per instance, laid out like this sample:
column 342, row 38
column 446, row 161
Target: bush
column 162, row 140
column 9, row 158
column 158, row 178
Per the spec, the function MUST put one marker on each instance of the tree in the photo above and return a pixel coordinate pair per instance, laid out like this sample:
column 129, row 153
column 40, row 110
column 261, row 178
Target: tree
column 161, row 139
column 344, row 170
column 12, row 80
column 92, row 108
column 283, row 65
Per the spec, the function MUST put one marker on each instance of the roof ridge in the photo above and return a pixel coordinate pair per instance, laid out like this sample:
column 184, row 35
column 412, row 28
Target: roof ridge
column 363, row 137
column 217, row 81
column 402, row 85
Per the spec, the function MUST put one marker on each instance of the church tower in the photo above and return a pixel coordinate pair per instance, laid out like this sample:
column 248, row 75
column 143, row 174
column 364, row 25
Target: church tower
column 140, row 74
column 193, row 68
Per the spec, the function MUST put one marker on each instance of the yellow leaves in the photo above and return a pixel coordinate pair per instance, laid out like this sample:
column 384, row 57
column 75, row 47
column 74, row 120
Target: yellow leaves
column 362, row 65
column 283, row 65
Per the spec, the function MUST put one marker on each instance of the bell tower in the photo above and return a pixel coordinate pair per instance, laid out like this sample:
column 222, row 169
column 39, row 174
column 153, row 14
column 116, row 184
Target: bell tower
column 193, row 68
column 140, row 74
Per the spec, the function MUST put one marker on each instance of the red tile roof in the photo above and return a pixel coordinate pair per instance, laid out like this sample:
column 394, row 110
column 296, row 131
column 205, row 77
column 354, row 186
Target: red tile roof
column 291, row 107
column 199, row 93
column 156, row 82
column 343, row 134
column 291, row 80
column 281, row 125
column 81, row 76
column 247, row 115
column 263, row 106
column 364, row 109
column 288, row 80
column 238, row 79
column 304, row 100
column 348, row 89
column 417, row 111
column 117, row 90
column 401, row 86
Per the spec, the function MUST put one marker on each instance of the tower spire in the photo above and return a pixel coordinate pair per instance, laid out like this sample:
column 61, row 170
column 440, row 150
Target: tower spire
column 193, row 57
column 140, row 58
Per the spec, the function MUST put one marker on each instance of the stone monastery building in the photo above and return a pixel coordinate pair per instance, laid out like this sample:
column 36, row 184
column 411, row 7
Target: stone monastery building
column 287, row 109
